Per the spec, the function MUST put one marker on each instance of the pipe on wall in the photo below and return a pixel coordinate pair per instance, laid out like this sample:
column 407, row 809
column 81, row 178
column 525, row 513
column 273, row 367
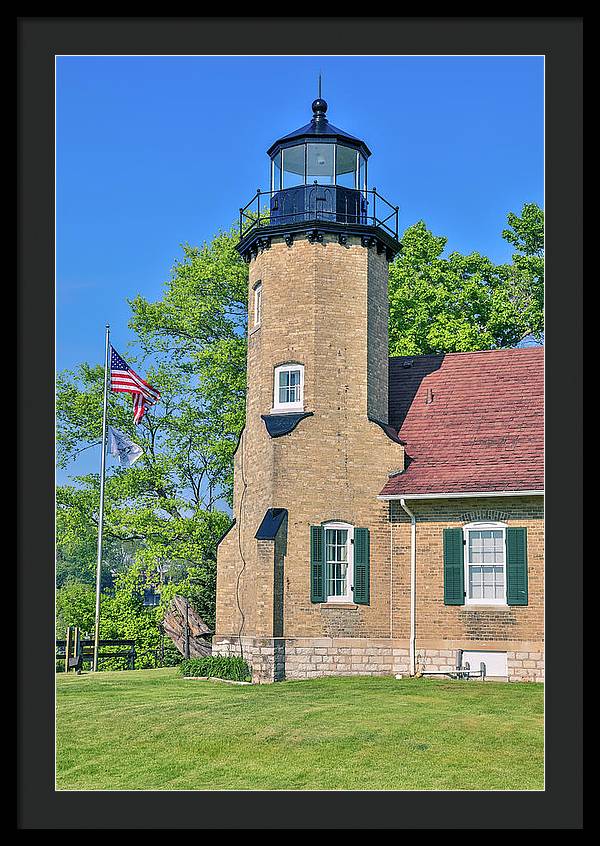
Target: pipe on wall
column 413, row 587
column 391, row 580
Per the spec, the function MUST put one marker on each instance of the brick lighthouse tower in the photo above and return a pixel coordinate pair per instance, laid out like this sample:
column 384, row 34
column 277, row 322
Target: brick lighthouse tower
column 303, row 580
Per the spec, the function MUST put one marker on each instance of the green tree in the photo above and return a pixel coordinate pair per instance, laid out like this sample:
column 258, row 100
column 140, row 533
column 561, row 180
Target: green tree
column 525, row 277
column 124, row 616
column 526, row 233
column 199, row 327
column 465, row 302
column 75, row 606
column 166, row 512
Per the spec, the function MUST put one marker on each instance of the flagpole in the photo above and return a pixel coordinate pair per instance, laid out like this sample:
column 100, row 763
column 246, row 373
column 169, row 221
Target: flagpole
column 101, row 512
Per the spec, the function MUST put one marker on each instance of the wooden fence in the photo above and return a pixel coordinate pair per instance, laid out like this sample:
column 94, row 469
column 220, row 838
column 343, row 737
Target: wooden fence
column 75, row 650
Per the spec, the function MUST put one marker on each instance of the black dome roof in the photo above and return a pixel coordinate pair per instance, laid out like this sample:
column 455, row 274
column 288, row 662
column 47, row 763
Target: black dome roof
column 319, row 129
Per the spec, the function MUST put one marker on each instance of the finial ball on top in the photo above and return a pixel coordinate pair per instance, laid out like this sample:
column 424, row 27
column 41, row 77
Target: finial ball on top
column 319, row 107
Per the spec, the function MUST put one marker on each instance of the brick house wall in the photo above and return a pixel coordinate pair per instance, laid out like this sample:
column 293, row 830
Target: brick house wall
column 442, row 629
column 326, row 639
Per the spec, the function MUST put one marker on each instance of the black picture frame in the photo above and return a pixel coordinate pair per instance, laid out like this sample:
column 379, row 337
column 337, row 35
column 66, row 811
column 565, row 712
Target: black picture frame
column 39, row 40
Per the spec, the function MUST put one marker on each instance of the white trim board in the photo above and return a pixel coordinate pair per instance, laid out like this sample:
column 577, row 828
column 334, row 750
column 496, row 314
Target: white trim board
column 461, row 495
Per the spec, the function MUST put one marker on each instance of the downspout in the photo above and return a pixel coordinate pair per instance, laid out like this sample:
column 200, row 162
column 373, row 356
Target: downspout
column 413, row 587
column 391, row 578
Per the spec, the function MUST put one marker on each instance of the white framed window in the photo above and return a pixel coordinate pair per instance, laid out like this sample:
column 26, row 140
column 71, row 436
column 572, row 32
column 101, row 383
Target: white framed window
column 288, row 392
column 257, row 304
column 485, row 563
column 339, row 562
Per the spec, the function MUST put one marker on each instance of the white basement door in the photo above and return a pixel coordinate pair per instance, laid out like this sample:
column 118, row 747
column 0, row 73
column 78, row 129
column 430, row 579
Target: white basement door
column 495, row 662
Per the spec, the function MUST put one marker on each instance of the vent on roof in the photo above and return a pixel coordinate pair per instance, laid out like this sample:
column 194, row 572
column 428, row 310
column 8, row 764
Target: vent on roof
column 429, row 397
column 406, row 364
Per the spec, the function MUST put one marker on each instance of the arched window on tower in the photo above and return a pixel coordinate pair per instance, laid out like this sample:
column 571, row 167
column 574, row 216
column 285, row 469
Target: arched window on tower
column 288, row 393
column 257, row 304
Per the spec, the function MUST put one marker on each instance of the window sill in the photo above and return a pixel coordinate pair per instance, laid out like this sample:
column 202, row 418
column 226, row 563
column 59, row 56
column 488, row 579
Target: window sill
column 351, row 605
column 480, row 606
column 299, row 409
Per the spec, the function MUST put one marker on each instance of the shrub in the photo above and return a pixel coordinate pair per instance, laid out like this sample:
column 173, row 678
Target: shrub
column 217, row 666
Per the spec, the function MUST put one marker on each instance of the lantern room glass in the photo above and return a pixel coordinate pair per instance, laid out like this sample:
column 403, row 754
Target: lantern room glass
column 276, row 173
column 362, row 173
column 320, row 162
column 346, row 164
column 293, row 165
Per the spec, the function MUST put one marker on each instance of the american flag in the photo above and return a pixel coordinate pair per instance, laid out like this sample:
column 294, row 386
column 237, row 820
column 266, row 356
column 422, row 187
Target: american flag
column 125, row 380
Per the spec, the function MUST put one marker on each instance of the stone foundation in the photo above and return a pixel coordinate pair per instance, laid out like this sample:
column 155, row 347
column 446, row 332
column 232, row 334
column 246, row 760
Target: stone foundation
column 523, row 664
column 311, row 657
column 277, row 659
column 526, row 666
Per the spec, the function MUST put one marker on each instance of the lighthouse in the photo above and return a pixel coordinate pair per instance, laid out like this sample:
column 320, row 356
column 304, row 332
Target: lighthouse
column 303, row 575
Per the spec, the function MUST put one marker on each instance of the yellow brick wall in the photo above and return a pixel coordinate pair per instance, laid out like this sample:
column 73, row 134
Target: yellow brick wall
column 323, row 305
column 466, row 626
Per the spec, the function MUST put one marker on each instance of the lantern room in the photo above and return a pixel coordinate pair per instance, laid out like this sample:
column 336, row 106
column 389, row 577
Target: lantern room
column 318, row 172
column 318, row 183
column 318, row 153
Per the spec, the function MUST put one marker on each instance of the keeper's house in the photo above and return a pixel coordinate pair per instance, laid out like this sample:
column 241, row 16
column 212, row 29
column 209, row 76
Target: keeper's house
column 388, row 512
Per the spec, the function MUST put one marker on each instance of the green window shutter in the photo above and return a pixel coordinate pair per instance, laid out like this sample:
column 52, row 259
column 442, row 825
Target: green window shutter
column 516, row 567
column 317, row 564
column 361, row 566
column 454, row 572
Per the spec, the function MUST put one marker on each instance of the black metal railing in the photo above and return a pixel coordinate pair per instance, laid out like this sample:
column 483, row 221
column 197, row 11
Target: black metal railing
column 328, row 203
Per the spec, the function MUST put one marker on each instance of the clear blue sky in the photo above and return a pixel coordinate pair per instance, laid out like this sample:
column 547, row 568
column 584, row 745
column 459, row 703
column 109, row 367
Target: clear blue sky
column 156, row 151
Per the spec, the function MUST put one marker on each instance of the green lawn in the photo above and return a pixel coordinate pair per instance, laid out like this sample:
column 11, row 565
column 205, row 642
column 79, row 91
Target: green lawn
column 152, row 730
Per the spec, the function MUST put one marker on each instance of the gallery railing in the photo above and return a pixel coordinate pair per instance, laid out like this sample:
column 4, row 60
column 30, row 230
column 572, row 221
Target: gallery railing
column 308, row 203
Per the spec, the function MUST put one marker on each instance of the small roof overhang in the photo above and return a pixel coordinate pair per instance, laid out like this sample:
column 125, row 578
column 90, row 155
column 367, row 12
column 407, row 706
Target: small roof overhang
column 271, row 523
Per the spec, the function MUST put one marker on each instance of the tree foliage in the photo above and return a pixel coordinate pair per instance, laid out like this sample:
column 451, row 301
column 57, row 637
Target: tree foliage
column 199, row 327
column 123, row 615
column 75, row 606
column 166, row 512
column 459, row 303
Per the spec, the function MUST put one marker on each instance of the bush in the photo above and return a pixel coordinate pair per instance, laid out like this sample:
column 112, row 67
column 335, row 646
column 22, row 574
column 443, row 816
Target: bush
column 217, row 666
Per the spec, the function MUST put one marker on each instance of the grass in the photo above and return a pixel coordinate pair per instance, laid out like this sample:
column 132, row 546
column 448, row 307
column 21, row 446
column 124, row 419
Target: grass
column 153, row 730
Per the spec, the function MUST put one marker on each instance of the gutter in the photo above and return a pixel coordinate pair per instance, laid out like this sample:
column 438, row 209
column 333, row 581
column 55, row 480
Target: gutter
column 460, row 495
column 413, row 587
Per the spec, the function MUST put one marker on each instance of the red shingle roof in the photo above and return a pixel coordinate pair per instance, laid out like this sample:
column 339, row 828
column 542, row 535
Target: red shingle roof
column 483, row 429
